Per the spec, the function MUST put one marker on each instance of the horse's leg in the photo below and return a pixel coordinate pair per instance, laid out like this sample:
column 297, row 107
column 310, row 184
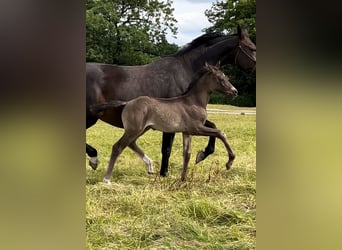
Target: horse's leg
column 166, row 151
column 143, row 156
column 201, row 155
column 92, row 153
column 117, row 148
column 205, row 131
column 186, row 154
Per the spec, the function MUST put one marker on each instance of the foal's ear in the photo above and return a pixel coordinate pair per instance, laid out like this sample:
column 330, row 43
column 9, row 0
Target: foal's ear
column 243, row 32
column 218, row 64
column 206, row 65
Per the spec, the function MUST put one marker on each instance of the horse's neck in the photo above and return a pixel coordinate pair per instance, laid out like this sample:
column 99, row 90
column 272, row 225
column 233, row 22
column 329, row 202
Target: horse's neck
column 223, row 51
column 190, row 61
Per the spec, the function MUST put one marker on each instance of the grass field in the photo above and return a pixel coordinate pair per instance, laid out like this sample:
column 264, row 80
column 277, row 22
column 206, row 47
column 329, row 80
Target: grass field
column 213, row 209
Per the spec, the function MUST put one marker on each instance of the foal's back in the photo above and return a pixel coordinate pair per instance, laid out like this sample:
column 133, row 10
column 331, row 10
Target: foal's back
column 163, row 114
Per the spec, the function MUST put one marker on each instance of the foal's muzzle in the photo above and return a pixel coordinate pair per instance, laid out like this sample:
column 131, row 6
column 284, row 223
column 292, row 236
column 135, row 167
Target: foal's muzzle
column 234, row 92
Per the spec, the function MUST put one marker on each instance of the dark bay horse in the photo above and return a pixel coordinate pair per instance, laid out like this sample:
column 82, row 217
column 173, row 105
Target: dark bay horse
column 166, row 77
column 186, row 114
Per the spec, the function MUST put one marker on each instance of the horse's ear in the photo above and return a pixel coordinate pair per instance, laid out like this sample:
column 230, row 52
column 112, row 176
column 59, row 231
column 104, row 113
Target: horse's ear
column 206, row 65
column 218, row 64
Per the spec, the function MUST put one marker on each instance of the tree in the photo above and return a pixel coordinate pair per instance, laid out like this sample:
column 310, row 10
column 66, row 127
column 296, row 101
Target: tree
column 128, row 32
column 225, row 16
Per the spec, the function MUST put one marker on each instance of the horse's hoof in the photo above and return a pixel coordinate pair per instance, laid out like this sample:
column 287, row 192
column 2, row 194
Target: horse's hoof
column 93, row 162
column 107, row 181
column 200, row 156
column 93, row 165
column 163, row 174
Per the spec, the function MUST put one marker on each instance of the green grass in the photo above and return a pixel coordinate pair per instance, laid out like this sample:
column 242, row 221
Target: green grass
column 213, row 209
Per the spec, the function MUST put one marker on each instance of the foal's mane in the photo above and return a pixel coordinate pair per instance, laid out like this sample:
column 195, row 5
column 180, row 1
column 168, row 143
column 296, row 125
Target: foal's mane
column 206, row 40
column 197, row 77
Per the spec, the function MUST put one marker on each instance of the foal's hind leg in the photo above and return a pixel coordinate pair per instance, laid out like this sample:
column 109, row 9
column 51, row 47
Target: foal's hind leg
column 201, row 155
column 143, row 156
column 186, row 154
column 117, row 148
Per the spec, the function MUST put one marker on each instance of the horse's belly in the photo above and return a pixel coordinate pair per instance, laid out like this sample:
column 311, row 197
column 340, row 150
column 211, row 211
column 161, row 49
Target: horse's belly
column 113, row 117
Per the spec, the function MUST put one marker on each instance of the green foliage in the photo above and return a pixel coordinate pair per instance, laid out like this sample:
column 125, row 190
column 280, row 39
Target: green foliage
column 226, row 16
column 129, row 32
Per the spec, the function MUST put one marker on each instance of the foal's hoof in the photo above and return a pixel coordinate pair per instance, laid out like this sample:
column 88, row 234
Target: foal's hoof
column 107, row 181
column 200, row 156
column 229, row 165
column 93, row 162
column 150, row 170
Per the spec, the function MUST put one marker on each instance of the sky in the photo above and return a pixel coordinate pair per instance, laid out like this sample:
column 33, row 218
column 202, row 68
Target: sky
column 191, row 20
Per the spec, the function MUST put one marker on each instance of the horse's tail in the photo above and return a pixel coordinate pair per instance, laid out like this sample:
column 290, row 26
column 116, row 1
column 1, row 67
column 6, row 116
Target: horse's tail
column 107, row 105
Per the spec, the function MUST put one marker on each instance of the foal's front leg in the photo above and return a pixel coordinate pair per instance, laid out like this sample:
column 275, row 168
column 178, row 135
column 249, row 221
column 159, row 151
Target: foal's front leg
column 205, row 131
column 201, row 155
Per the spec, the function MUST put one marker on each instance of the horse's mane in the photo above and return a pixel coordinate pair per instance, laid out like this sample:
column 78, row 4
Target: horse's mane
column 205, row 39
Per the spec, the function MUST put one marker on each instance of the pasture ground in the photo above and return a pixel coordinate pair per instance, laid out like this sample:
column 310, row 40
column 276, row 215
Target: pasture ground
column 213, row 209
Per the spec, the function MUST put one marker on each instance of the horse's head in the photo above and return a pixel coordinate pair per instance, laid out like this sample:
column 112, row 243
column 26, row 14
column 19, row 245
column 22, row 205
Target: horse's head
column 245, row 57
column 220, row 81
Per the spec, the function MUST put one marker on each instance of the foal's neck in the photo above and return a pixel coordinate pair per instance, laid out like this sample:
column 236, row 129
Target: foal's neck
column 199, row 94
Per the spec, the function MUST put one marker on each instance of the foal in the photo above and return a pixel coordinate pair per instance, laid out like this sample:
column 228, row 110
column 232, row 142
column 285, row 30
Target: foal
column 185, row 114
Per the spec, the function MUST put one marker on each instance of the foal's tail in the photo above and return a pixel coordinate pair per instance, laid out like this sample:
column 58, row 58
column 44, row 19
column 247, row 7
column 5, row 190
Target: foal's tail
column 107, row 105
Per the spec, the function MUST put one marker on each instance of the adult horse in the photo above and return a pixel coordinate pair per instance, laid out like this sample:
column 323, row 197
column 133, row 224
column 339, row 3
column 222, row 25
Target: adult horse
column 166, row 77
